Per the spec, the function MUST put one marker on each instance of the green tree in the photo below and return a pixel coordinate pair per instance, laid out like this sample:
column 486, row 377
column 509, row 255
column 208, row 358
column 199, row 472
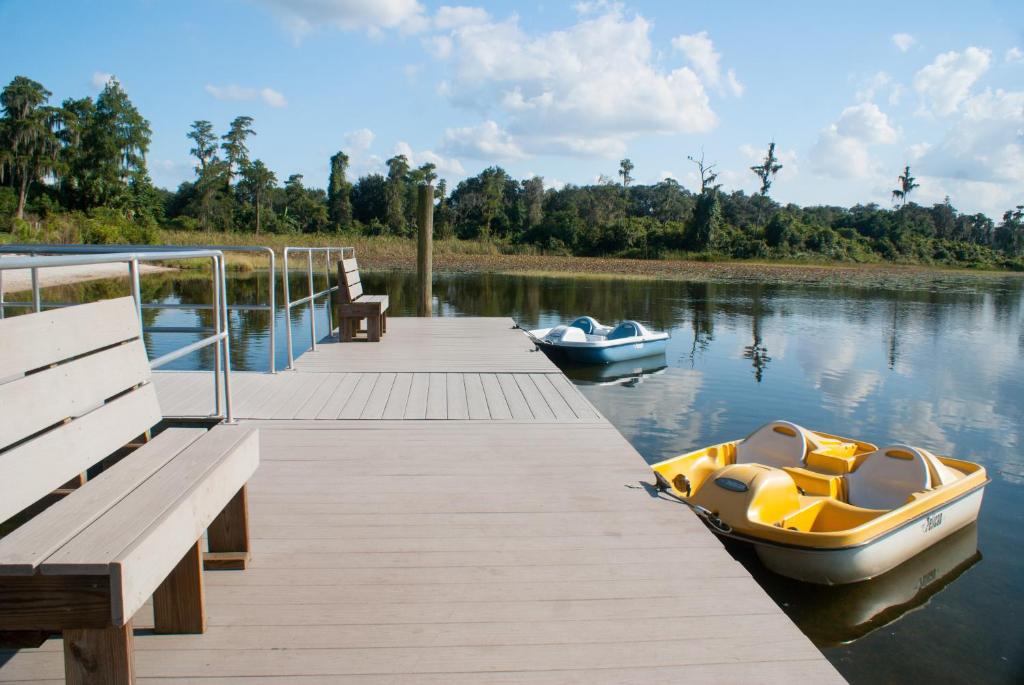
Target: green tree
column 767, row 169
column 29, row 145
column 339, row 192
column 533, row 191
column 625, row 167
column 235, row 151
column 907, row 184
column 205, row 141
column 256, row 184
column 398, row 169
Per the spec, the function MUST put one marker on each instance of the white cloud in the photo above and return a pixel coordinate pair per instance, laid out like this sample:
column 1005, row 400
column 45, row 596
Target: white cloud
column 444, row 165
column 903, row 41
column 359, row 140
column 269, row 96
column 700, row 51
column 452, row 17
column 917, row 151
column 865, row 123
column 947, row 81
column 100, row 79
column 566, row 91
column 412, row 71
column 301, row 17
column 735, row 87
column 1014, row 54
column 841, row 157
column 486, row 141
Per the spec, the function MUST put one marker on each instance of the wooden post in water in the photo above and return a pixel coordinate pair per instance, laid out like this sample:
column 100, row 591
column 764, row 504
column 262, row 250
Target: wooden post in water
column 425, row 249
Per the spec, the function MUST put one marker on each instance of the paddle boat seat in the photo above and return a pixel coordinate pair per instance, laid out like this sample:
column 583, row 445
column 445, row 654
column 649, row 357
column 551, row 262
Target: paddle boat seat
column 779, row 444
column 887, row 478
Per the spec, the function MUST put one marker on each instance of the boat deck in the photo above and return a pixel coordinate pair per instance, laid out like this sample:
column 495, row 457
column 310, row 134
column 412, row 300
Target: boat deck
column 445, row 507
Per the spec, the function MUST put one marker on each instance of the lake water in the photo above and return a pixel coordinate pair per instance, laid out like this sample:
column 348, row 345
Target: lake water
column 940, row 365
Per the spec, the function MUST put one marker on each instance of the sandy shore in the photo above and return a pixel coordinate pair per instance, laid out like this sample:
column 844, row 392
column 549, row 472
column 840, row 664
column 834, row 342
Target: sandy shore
column 21, row 279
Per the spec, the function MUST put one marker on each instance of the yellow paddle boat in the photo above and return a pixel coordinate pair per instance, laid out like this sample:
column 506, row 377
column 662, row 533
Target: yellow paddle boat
column 822, row 508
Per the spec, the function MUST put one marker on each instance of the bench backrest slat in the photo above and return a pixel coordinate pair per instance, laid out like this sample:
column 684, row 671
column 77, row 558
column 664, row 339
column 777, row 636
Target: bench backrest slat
column 74, row 387
column 33, row 341
column 348, row 276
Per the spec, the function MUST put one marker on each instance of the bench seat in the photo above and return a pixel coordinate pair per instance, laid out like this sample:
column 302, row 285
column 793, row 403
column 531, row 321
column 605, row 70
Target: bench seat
column 353, row 306
column 76, row 388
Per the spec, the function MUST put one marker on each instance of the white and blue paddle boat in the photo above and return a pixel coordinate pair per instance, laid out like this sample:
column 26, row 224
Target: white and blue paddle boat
column 588, row 341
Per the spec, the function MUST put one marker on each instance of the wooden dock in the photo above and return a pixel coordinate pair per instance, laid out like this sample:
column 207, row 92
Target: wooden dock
column 445, row 507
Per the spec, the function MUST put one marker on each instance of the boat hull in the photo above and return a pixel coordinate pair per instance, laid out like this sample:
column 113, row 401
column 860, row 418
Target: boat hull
column 607, row 354
column 849, row 565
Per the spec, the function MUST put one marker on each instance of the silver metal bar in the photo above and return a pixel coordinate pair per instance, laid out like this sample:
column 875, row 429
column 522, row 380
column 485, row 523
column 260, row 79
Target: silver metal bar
column 37, row 304
column 287, row 307
column 330, row 303
column 71, row 258
column 188, row 349
column 217, row 347
column 2, row 304
column 226, row 342
column 312, row 301
column 205, row 307
column 180, row 329
column 273, row 313
column 133, row 272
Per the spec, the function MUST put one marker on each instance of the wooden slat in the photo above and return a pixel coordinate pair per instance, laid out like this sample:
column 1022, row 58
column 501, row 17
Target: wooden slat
column 336, row 402
column 22, row 550
column 353, row 409
column 379, row 396
column 517, row 403
column 538, row 405
column 39, row 400
column 416, row 407
column 36, row 340
column 457, row 400
column 40, row 465
column 355, row 291
column 54, row 603
column 437, row 397
column 580, row 406
column 307, row 390
column 399, row 397
column 312, row 406
column 349, row 265
column 559, row 407
column 497, row 405
column 476, row 400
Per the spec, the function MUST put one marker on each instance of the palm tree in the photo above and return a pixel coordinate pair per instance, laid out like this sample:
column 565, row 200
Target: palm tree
column 766, row 170
column 27, row 136
column 257, row 181
column 907, row 184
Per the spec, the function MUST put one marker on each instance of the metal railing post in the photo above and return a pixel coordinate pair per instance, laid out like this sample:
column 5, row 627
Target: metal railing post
column 217, row 359
column 330, row 299
column 226, row 342
column 273, row 312
column 287, row 307
column 2, row 295
column 312, row 301
column 37, row 303
column 133, row 272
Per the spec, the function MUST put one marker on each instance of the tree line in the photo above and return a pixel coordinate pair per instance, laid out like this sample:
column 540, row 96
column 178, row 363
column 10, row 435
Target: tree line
column 80, row 169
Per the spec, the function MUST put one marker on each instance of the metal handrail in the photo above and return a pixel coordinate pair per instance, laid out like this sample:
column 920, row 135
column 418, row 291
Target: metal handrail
column 220, row 338
column 313, row 294
column 269, row 306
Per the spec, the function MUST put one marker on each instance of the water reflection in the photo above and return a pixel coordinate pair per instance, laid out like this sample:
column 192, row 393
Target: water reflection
column 934, row 363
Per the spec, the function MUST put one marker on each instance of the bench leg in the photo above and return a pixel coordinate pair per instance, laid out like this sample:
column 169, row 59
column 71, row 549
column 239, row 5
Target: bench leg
column 383, row 323
column 178, row 605
column 229, row 534
column 373, row 328
column 99, row 656
column 345, row 330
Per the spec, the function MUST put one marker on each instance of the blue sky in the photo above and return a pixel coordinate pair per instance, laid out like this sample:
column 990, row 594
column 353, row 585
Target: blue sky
column 565, row 90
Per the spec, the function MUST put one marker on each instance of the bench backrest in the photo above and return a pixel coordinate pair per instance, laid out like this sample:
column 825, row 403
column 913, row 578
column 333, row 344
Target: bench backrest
column 74, row 388
column 351, row 289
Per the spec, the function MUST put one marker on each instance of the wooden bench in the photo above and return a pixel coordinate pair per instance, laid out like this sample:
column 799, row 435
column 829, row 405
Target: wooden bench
column 75, row 389
column 354, row 306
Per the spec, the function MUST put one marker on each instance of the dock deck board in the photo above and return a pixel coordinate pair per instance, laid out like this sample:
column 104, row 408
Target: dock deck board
column 447, row 524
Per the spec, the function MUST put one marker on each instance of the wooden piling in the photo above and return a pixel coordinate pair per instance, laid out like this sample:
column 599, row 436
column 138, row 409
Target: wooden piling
column 425, row 249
